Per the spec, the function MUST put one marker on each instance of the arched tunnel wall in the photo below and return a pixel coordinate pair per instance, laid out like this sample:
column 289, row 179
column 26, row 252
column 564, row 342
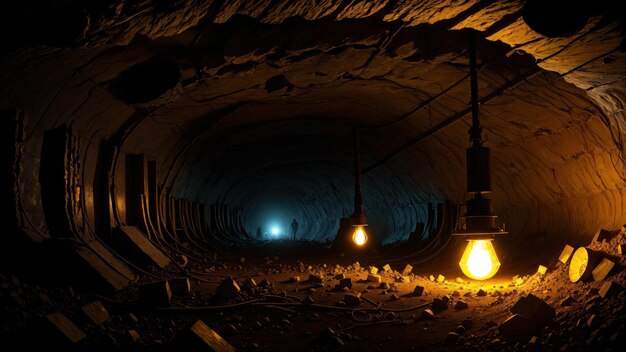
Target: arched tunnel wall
column 267, row 98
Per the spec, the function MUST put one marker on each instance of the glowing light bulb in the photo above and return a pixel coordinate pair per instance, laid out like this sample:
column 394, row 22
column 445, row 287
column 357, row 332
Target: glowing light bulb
column 275, row 231
column 359, row 237
column 479, row 260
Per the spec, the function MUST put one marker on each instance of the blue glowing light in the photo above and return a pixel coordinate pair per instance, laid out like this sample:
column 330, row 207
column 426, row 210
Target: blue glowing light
column 275, row 231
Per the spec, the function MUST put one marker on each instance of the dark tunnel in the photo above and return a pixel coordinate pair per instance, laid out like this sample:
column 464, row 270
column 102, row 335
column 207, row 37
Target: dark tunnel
column 149, row 142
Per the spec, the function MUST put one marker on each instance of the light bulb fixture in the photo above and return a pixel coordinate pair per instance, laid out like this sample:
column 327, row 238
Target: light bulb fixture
column 359, row 236
column 478, row 223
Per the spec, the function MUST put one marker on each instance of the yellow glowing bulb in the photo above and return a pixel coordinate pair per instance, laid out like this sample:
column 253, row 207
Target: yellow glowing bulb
column 479, row 260
column 359, row 237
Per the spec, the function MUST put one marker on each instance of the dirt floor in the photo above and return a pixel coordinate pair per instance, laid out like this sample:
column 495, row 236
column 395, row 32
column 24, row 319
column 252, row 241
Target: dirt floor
column 296, row 306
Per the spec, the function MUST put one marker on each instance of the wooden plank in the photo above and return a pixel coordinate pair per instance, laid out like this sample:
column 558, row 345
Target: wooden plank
column 203, row 338
column 133, row 243
column 113, row 279
column 110, row 258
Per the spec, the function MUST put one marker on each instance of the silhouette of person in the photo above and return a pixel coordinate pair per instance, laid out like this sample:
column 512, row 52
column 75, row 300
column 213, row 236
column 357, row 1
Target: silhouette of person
column 294, row 228
column 259, row 234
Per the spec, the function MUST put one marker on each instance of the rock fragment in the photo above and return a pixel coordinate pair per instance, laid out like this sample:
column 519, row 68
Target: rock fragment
column 95, row 312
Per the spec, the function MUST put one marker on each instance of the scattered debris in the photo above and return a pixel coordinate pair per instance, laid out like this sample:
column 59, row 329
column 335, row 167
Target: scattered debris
column 200, row 337
column 407, row 269
column 452, row 337
column 427, row 314
column 609, row 289
column 95, row 312
column 566, row 253
column 460, row 305
column 315, row 278
column 602, row 270
column 603, row 235
column 352, row 299
column 418, row 290
column 180, row 287
column 534, row 309
column 133, row 335
column 481, row 293
column 517, row 328
column 374, row 278
column 227, row 289
column 155, row 294
column 249, row 284
column 345, row 283
column 541, row 270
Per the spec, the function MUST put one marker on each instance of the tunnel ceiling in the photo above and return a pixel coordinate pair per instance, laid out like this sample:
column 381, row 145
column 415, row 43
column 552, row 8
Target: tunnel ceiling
column 242, row 101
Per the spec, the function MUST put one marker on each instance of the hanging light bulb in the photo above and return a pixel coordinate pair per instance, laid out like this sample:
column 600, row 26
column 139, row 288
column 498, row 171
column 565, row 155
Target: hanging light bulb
column 479, row 261
column 359, row 237
column 478, row 225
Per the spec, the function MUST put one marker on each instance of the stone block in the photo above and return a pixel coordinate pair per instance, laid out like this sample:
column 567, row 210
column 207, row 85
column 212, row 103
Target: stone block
column 200, row 337
column 438, row 305
column 517, row 328
column 621, row 249
column 405, row 279
column 407, row 269
column 603, row 235
column 427, row 314
column 356, row 266
column 460, row 305
column 566, row 253
column 227, row 289
column 609, row 289
column 352, row 299
column 347, row 282
column 373, row 270
column 315, row 278
column 534, row 309
column 95, row 312
column 249, row 284
column 374, row 278
column 386, row 268
column 157, row 294
column 441, row 278
column 180, row 287
column 541, row 270
column 418, row 290
column 602, row 270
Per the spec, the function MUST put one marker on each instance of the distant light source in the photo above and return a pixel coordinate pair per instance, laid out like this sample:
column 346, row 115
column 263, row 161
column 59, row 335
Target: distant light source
column 479, row 261
column 275, row 231
column 359, row 237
